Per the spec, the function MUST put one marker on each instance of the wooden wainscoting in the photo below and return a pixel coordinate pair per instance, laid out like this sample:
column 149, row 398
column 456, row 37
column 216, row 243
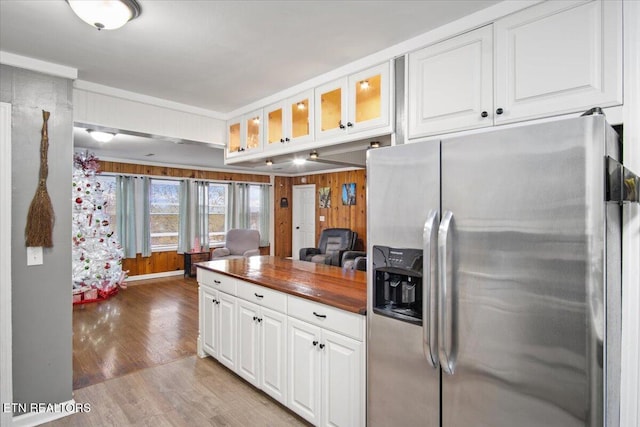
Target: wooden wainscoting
column 158, row 262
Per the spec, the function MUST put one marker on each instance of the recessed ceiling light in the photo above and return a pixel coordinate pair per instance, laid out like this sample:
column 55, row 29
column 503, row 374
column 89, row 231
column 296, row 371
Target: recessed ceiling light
column 101, row 136
column 149, row 155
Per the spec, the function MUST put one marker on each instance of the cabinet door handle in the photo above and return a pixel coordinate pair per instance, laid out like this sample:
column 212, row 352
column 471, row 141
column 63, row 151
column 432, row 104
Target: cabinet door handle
column 340, row 124
column 259, row 319
column 258, row 295
column 321, row 346
column 315, row 343
column 322, row 316
column 499, row 111
column 217, row 282
column 484, row 114
column 349, row 124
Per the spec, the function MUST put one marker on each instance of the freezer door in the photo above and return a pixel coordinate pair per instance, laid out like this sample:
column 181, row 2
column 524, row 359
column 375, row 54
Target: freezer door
column 403, row 185
column 523, row 318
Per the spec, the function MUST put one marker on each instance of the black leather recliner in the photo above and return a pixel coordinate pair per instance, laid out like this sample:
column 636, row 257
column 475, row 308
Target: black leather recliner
column 354, row 260
column 333, row 243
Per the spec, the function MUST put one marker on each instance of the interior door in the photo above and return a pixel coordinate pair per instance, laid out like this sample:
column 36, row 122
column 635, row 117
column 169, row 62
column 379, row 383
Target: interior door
column 304, row 218
column 520, row 315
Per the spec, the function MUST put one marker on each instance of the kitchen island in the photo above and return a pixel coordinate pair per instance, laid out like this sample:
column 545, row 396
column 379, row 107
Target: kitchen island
column 294, row 329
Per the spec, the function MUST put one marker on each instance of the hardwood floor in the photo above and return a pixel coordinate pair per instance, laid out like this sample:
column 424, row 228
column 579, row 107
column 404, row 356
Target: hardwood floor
column 187, row 392
column 145, row 325
column 134, row 363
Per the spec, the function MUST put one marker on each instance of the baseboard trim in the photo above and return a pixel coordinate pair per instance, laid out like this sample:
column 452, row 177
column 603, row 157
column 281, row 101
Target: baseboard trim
column 154, row 275
column 31, row 419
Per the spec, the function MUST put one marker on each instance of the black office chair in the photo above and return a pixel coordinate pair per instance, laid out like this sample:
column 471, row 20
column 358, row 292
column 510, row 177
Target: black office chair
column 333, row 243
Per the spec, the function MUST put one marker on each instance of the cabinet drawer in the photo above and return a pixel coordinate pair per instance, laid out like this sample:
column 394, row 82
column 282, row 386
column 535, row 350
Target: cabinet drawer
column 263, row 296
column 343, row 322
column 217, row 281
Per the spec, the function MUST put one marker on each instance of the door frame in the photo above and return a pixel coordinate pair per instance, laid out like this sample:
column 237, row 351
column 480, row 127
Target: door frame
column 296, row 203
column 6, row 370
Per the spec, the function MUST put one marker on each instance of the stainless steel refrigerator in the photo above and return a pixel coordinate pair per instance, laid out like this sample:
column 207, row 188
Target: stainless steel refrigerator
column 494, row 279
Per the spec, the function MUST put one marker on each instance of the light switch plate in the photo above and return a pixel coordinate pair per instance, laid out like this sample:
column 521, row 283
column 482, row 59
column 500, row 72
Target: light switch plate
column 34, row 255
column 321, row 218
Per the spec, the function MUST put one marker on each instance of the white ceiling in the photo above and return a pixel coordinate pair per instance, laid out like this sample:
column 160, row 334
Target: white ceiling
column 219, row 55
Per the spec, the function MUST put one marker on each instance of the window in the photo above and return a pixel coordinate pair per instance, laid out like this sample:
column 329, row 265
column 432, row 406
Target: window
column 217, row 213
column 164, row 209
column 108, row 187
column 255, row 207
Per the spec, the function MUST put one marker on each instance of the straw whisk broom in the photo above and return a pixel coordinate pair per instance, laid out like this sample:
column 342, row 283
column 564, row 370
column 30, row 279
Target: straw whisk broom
column 40, row 219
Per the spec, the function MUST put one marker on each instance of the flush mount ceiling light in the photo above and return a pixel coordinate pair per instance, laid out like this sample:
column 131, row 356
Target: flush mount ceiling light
column 101, row 136
column 105, row 14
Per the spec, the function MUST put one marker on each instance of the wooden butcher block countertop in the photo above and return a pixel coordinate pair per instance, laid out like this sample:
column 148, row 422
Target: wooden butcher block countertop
column 326, row 284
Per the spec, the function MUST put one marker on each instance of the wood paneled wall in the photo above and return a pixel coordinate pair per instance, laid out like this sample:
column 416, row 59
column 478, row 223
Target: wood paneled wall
column 160, row 262
column 133, row 169
column 338, row 215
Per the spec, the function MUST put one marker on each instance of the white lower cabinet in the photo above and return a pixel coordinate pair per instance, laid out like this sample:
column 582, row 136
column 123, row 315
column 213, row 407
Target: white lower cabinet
column 306, row 355
column 326, row 376
column 218, row 326
column 262, row 348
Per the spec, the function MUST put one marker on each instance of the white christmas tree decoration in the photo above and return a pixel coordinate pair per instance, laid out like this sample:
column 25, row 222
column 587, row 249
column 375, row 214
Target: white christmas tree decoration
column 96, row 254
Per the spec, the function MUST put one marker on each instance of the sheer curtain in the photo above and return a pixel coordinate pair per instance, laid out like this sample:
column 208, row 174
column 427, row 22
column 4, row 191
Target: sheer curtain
column 240, row 209
column 194, row 216
column 126, row 214
column 145, row 217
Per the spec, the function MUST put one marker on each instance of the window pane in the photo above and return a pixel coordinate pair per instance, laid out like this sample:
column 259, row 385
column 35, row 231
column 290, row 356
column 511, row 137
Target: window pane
column 164, row 209
column 108, row 187
column 254, row 207
column 217, row 212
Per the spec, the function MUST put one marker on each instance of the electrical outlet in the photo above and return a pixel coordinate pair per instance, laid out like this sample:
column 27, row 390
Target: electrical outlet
column 34, row 255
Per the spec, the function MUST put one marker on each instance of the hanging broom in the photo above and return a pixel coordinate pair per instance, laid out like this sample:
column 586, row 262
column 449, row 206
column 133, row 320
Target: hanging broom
column 39, row 230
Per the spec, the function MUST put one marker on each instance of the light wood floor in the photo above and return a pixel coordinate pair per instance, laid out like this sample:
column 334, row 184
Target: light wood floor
column 134, row 362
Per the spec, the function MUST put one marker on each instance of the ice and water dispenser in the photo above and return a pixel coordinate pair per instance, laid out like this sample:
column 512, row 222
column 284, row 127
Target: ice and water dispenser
column 398, row 283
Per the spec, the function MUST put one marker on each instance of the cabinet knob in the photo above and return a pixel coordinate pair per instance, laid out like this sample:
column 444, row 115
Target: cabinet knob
column 241, row 149
column 282, row 140
column 217, row 302
column 255, row 318
column 321, row 346
column 315, row 343
column 349, row 124
column 340, row 124
column 297, row 228
column 484, row 114
column 287, row 139
column 259, row 319
column 499, row 111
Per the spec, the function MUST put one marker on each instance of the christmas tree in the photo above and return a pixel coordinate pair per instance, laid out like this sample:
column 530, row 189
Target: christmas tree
column 97, row 254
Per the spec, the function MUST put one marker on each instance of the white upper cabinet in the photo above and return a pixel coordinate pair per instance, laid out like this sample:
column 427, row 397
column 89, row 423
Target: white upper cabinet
column 553, row 58
column 450, row 84
column 289, row 122
column 558, row 57
column 245, row 134
column 354, row 104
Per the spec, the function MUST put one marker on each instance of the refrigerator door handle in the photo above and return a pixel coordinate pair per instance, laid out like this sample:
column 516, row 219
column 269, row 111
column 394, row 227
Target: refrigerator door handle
column 445, row 335
column 429, row 290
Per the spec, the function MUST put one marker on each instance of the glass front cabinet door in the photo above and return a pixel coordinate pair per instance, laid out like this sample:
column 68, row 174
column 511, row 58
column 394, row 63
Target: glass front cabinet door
column 289, row 122
column 353, row 104
column 245, row 134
